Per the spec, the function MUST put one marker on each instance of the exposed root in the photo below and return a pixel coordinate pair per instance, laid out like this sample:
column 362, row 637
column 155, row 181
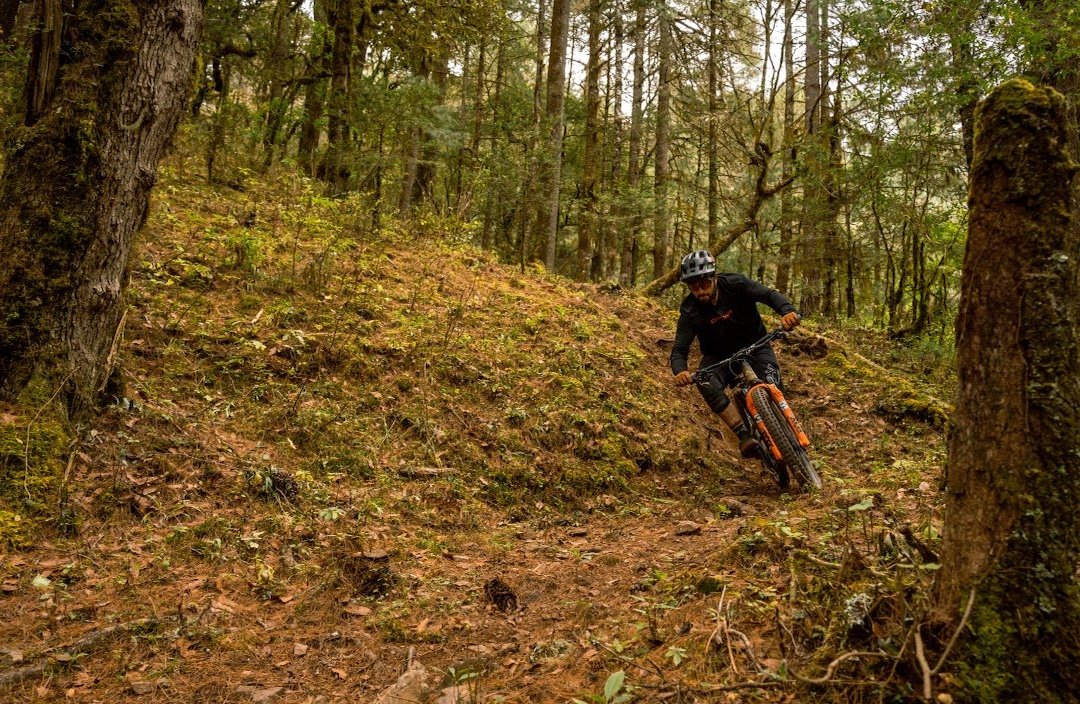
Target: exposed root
column 84, row 644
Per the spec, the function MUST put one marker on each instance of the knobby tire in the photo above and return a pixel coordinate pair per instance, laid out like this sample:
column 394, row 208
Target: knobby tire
column 792, row 453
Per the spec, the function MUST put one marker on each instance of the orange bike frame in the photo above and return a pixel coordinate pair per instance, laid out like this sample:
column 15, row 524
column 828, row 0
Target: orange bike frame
column 785, row 409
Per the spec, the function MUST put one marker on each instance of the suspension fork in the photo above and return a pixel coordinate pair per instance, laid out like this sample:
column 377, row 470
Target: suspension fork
column 781, row 403
column 789, row 415
column 759, row 423
column 749, row 382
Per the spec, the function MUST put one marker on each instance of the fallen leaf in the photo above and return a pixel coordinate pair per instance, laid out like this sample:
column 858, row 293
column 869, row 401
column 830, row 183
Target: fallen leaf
column 194, row 584
column 357, row 610
column 222, row 605
column 688, row 528
column 141, row 687
column 340, row 672
column 259, row 694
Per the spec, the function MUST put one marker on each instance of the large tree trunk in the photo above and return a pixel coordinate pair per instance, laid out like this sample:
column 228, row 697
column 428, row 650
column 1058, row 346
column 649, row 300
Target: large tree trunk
column 1012, row 531
column 74, row 192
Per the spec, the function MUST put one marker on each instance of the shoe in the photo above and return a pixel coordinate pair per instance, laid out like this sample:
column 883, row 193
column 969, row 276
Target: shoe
column 748, row 447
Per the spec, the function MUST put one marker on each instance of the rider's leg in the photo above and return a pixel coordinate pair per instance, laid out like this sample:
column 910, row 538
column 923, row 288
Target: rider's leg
column 747, row 444
column 718, row 401
column 764, row 364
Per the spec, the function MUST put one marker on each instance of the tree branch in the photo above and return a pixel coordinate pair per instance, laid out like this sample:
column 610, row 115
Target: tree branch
column 762, row 193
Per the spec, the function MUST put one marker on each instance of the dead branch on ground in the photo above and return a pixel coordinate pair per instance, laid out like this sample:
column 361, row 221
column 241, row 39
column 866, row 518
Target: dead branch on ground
column 56, row 655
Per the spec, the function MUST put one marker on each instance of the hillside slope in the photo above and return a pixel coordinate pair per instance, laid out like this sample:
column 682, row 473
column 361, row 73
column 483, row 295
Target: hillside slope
column 340, row 450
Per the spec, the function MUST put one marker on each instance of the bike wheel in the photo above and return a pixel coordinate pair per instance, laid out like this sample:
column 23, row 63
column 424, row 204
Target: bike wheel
column 793, row 455
column 776, row 468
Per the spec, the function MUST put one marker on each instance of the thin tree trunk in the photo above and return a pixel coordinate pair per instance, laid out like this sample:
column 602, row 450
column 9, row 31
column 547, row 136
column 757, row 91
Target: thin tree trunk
column 423, row 184
column 851, row 263
column 337, row 170
column 787, row 205
column 491, row 201
column 748, row 222
column 530, row 186
column 219, row 123
column 615, row 97
column 591, row 166
column 713, row 196
column 276, row 104
column 831, row 176
column 811, row 244
column 547, row 216
column 9, row 10
column 634, row 167
column 314, row 94
column 661, row 167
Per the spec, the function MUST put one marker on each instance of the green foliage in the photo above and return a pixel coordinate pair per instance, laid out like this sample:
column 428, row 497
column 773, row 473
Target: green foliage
column 616, row 691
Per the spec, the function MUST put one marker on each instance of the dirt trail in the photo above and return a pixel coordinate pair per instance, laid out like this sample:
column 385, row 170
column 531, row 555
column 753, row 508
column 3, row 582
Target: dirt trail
column 582, row 588
column 613, row 587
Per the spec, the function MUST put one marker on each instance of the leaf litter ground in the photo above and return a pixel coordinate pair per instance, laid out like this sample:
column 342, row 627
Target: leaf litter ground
column 335, row 439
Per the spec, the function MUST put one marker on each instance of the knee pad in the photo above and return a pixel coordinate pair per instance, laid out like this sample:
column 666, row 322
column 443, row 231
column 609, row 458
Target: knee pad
column 715, row 397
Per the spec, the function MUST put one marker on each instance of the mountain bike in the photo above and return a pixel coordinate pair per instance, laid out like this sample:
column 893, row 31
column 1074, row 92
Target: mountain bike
column 782, row 444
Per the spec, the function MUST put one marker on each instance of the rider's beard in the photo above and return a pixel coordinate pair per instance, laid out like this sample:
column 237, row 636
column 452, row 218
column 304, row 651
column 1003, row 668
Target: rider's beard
column 709, row 297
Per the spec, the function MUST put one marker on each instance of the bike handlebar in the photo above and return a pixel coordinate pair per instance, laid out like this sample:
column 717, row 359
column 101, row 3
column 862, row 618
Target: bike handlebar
column 700, row 376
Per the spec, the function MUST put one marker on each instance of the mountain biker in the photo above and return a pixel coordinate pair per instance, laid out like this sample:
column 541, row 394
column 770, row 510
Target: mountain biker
column 721, row 313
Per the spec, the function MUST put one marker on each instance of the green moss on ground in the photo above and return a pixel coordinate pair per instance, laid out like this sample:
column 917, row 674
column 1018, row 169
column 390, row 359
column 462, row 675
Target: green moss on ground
column 33, row 457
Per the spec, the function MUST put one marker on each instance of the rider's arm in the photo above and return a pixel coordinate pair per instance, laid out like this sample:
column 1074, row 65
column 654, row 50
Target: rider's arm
column 760, row 293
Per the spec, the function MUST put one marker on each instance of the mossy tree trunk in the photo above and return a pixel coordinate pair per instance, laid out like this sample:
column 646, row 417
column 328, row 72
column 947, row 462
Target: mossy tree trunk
column 108, row 83
column 1012, row 531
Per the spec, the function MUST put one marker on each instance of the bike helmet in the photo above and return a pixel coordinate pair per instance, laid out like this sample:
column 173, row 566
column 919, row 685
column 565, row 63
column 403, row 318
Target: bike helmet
column 699, row 263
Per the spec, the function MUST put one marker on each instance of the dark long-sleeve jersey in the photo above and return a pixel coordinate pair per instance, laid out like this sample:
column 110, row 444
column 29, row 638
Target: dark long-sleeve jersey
column 729, row 325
